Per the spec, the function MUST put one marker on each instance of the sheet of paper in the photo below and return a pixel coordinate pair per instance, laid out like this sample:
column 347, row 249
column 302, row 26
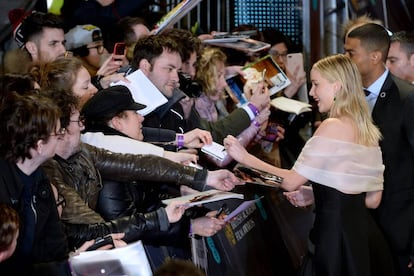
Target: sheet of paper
column 290, row 105
column 143, row 91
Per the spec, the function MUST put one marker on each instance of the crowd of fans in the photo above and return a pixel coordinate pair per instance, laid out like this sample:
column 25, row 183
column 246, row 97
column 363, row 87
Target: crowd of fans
column 80, row 161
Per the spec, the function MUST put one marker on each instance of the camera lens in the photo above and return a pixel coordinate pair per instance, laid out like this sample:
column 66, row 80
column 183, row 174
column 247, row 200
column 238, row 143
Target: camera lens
column 191, row 88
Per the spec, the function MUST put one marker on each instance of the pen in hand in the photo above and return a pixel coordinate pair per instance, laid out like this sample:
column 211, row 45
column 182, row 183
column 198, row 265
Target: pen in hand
column 221, row 210
column 263, row 75
column 240, row 139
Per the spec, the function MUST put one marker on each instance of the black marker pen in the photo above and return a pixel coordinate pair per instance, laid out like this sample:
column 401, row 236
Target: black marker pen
column 221, row 210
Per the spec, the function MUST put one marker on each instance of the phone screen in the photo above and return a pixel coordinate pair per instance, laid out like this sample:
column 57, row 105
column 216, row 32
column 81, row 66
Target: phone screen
column 236, row 86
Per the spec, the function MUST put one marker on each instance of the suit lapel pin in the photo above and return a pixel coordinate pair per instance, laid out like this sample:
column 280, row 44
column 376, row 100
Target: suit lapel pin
column 383, row 94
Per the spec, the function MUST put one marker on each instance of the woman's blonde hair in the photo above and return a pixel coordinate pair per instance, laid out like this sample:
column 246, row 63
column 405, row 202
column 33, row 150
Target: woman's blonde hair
column 207, row 70
column 350, row 99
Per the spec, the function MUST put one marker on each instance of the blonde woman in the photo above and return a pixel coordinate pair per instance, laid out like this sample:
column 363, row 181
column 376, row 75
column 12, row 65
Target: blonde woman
column 344, row 164
column 210, row 74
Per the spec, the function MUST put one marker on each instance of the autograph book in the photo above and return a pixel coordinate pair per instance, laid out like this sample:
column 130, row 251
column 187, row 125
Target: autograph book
column 254, row 176
column 274, row 77
column 204, row 197
column 290, row 105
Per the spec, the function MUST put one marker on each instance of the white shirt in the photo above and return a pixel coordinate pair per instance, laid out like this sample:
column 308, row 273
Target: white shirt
column 120, row 144
column 375, row 90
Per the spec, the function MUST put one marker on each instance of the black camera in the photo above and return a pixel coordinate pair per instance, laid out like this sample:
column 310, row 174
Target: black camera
column 101, row 242
column 191, row 88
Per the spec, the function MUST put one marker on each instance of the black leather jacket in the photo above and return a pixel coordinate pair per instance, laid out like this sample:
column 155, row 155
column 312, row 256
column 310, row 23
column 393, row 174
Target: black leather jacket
column 49, row 251
column 79, row 180
column 136, row 227
column 123, row 199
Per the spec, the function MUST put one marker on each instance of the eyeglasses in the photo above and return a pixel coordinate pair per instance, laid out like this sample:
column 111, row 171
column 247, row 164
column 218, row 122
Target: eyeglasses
column 60, row 201
column 99, row 48
column 276, row 54
column 60, row 132
column 80, row 121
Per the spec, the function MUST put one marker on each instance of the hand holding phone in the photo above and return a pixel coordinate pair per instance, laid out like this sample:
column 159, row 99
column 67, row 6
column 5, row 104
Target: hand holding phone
column 297, row 75
column 294, row 64
column 119, row 50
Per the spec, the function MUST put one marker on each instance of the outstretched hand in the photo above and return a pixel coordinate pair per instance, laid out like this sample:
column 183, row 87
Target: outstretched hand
column 197, row 138
column 259, row 96
column 175, row 211
column 235, row 149
column 116, row 238
column 181, row 157
column 207, row 226
column 223, row 180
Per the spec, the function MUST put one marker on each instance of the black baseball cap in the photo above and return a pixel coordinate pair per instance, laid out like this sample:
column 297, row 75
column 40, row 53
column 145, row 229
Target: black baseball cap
column 108, row 102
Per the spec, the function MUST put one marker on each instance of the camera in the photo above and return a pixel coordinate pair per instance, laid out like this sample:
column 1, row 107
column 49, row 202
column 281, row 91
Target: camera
column 191, row 88
column 101, row 242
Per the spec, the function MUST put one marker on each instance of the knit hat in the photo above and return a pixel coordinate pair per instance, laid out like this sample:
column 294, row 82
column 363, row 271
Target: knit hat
column 82, row 35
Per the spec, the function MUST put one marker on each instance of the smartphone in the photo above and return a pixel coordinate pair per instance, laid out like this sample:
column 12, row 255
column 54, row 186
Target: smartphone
column 119, row 49
column 235, row 90
column 294, row 61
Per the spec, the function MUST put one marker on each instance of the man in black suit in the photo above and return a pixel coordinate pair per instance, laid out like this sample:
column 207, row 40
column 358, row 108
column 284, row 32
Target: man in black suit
column 392, row 103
